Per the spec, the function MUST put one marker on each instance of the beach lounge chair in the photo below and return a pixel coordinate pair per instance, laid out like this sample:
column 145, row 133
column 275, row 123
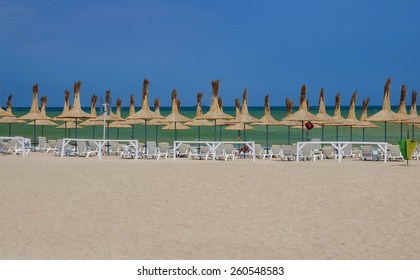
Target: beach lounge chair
column 115, row 148
column 259, row 152
column 184, row 150
column 328, row 152
column 347, row 151
column 366, row 152
column 229, row 152
column 307, row 153
column 42, row 144
column 316, row 147
column 163, row 150
column 219, row 152
column 275, row 151
column 394, row 152
column 81, row 149
column 287, row 152
column 51, row 146
column 151, row 149
column 18, row 149
column 6, row 148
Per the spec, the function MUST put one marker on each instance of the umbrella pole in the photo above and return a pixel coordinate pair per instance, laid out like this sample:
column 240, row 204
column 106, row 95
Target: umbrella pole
column 351, row 133
column 199, row 148
column 34, row 132
column 75, row 133
column 412, row 130
column 385, row 131
column 42, row 130
column 322, row 132
column 93, row 131
column 118, row 133
column 401, row 133
column 244, row 133
column 336, row 133
column 145, row 132
column 266, row 138
column 288, row 135
column 65, row 129
column 220, row 133
column 215, row 130
column 175, row 132
column 302, row 132
column 156, row 133
column 132, row 131
column 10, row 129
column 363, row 133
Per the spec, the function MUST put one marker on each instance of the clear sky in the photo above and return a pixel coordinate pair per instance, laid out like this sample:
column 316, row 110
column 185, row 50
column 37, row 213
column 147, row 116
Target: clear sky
column 266, row 46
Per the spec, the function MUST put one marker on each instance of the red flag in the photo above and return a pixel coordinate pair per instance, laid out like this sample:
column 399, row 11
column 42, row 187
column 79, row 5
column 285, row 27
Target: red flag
column 309, row 126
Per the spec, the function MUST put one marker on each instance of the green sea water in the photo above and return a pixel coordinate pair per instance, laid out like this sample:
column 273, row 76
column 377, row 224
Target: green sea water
column 276, row 135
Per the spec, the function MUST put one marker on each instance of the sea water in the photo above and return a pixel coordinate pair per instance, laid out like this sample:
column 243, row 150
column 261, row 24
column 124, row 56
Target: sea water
column 276, row 134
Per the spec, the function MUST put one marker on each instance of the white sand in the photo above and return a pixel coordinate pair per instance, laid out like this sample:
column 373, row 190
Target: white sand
column 77, row 208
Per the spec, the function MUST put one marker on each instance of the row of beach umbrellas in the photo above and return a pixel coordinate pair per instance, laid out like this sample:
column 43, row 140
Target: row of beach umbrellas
column 215, row 116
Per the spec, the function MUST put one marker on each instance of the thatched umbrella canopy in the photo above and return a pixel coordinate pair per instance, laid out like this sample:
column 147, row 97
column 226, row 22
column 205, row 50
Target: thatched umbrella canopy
column 4, row 113
column 402, row 110
column 119, row 124
column 66, row 108
column 413, row 118
column 302, row 114
column 289, row 124
column 34, row 113
column 267, row 119
column 93, row 122
column 176, row 126
column 145, row 113
column 198, row 113
column 244, row 117
column 216, row 111
column 363, row 118
column 338, row 120
column 12, row 119
column 131, row 112
column 69, row 125
column 385, row 115
column 76, row 111
column 323, row 117
column 108, row 115
column 351, row 120
column 239, row 126
column 176, row 117
column 43, row 123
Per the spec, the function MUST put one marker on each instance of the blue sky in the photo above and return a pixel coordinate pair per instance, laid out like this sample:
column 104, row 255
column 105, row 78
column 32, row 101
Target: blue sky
column 265, row 46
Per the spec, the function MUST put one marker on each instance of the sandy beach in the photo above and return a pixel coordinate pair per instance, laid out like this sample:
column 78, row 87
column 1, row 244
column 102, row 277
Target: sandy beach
column 77, row 208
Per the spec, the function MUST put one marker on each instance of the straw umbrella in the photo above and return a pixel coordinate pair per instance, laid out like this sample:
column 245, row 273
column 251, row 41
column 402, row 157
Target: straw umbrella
column 302, row 114
column 338, row 120
column 119, row 124
column 175, row 117
column 289, row 124
column 145, row 113
column 323, row 117
column 267, row 120
column 402, row 110
column 34, row 113
column 131, row 112
column 76, row 111
column 70, row 125
column 244, row 117
column 363, row 122
column 108, row 116
column 43, row 123
column 94, row 121
column 4, row 113
column 198, row 113
column 385, row 115
column 216, row 111
column 413, row 118
column 176, row 126
column 11, row 118
column 158, row 120
column 66, row 108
